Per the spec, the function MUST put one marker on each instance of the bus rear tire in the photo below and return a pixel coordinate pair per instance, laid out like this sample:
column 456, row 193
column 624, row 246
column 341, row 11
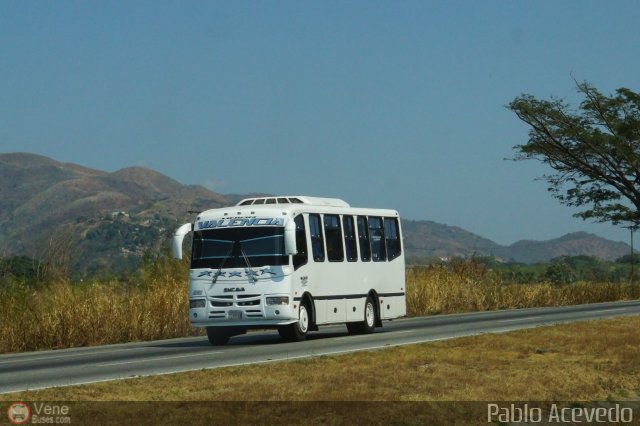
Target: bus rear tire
column 218, row 336
column 368, row 325
column 297, row 331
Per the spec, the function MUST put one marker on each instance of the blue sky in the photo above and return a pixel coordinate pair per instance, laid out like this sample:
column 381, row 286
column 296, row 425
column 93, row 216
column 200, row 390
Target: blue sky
column 383, row 104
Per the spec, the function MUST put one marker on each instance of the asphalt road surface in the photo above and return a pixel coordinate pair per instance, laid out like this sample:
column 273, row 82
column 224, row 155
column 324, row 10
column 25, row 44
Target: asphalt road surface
column 37, row 370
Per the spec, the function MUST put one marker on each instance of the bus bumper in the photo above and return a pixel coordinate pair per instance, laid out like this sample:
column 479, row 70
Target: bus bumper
column 246, row 317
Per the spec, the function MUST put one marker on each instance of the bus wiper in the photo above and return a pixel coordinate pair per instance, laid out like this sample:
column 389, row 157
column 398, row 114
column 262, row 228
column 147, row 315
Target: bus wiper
column 252, row 274
column 219, row 271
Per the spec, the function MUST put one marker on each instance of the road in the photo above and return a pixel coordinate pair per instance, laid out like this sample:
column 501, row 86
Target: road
column 36, row 370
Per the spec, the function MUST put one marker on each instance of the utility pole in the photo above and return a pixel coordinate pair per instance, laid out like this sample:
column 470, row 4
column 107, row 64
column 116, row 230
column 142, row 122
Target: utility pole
column 632, row 228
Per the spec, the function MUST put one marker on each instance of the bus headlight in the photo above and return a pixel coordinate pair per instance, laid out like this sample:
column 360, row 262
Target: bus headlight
column 278, row 300
column 197, row 303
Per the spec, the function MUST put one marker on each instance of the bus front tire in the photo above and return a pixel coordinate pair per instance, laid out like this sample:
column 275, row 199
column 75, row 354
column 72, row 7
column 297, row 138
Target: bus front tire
column 368, row 325
column 297, row 331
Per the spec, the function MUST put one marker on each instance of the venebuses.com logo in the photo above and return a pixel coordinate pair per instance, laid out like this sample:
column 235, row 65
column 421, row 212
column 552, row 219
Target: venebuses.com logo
column 18, row 413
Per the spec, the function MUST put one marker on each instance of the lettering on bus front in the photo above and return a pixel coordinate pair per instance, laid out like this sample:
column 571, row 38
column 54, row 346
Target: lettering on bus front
column 241, row 221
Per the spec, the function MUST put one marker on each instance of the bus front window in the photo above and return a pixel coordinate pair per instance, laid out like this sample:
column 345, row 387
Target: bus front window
column 227, row 247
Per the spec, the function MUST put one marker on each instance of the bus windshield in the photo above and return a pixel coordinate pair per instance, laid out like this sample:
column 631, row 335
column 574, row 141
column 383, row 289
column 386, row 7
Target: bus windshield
column 233, row 247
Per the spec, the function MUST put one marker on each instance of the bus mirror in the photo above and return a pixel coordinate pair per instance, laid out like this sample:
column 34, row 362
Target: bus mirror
column 290, row 238
column 178, row 237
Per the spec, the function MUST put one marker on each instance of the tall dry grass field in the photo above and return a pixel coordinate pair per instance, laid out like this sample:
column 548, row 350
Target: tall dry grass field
column 62, row 314
column 468, row 286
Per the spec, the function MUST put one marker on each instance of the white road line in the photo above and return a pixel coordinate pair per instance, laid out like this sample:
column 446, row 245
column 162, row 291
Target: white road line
column 597, row 313
column 70, row 354
column 160, row 358
column 613, row 310
column 524, row 318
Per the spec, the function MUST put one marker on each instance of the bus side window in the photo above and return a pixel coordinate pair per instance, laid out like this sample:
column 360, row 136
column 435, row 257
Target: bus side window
column 301, row 243
column 317, row 242
column 333, row 234
column 363, row 239
column 350, row 243
column 376, row 234
column 392, row 237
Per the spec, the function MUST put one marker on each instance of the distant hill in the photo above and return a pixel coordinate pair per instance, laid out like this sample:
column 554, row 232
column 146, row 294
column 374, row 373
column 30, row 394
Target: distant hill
column 110, row 220
column 573, row 244
column 434, row 240
column 426, row 239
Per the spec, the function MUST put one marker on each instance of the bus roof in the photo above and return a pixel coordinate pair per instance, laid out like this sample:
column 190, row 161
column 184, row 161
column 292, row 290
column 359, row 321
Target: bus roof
column 295, row 199
column 265, row 207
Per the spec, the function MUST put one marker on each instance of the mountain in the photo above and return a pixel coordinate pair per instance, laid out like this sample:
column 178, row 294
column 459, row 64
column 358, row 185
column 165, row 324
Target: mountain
column 426, row 239
column 97, row 221
column 573, row 244
column 110, row 219
column 430, row 239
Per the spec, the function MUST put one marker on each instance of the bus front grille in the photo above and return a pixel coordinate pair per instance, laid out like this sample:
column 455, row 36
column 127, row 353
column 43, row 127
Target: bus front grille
column 242, row 301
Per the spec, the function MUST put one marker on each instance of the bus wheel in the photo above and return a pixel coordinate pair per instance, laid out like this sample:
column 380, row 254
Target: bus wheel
column 297, row 331
column 369, row 324
column 217, row 336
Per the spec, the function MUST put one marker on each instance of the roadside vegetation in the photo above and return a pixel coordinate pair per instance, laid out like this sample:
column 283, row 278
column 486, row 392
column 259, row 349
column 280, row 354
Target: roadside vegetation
column 41, row 308
column 474, row 285
column 60, row 313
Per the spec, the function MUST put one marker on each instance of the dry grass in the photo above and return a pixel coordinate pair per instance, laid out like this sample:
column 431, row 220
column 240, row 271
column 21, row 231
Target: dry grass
column 585, row 361
column 470, row 286
column 63, row 314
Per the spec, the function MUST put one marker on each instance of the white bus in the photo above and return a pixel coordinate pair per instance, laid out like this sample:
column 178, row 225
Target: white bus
column 293, row 263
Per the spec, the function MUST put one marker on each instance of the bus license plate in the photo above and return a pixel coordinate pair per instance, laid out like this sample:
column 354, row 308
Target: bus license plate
column 235, row 315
